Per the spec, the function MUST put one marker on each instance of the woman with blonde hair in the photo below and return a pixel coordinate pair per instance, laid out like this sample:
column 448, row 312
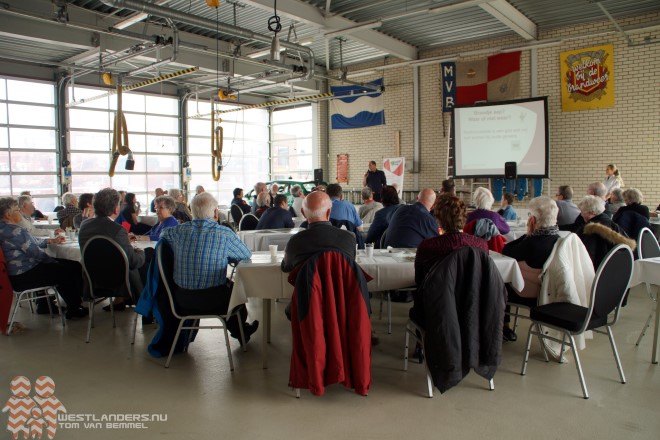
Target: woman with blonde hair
column 612, row 179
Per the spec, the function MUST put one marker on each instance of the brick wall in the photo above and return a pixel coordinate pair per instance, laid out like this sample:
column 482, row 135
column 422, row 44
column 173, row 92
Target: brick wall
column 581, row 143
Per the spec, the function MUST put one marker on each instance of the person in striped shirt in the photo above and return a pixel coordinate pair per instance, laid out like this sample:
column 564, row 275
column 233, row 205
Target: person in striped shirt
column 202, row 250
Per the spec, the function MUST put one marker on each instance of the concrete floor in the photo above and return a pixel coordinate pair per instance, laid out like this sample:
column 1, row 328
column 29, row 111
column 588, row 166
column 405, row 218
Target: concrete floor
column 202, row 399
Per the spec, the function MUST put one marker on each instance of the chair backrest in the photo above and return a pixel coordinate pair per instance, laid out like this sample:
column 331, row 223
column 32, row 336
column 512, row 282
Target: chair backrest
column 610, row 284
column 248, row 223
column 236, row 213
column 383, row 239
column 632, row 223
column 165, row 257
column 486, row 229
column 67, row 222
column 105, row 265
column 647, row 244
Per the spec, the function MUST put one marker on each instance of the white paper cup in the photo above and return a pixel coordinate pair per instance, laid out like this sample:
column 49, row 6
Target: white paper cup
column 273, row 250
column 72, row 235
column 50, row 221
column 369, row 248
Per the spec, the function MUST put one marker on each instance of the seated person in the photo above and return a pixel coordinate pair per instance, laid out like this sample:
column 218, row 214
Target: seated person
column 159, row 192
column 29, row 267
column 262, row 204
column 507, row 211
column 390, row 200
column 106, row 209
column 448, row 187
column 164, row 209
column 369, row 207
column 259, row 187
column 568, row 211
column 298, row 198
column 411, row 224
column 483, row 200
column 274, row 191
column 37, row 215
column 130, row 214
column 238, row 200
column 633, row 199
column 616, row 202
column 342, row 210
column 65, row 216
column 599, row 233
column 85, row 204
column 531, row 251
column 202, row 250
column 181, row 211
column 277, row 217
column 27, row 208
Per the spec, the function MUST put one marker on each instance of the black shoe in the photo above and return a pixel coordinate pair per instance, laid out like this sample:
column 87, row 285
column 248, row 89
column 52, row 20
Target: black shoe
column 77, row 312
column 42, row 306
column 509, row 335
column 419, row 353
column 117, row 307
column 248, row 330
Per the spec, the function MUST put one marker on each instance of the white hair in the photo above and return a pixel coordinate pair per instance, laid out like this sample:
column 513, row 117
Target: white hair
column 68, row 198
column 174, row 193
column 597, row 189
column 24, row 200
column 591, row 205
column 296, row 191
column 263, row 199
column 483, row 198
column 617, row 195
column 367, row 193
column 203, row 206
column 544, row 210
column 632, row 195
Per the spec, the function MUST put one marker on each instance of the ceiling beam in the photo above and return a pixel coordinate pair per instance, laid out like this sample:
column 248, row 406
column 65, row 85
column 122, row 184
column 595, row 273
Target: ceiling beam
column 305, row 13
column 511, row 17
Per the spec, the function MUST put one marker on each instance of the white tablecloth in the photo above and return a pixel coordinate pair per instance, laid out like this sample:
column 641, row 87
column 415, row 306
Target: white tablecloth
column 262, row 276
column 260, row 240
column 646, row 271
column 70, row 250
column 43, row 224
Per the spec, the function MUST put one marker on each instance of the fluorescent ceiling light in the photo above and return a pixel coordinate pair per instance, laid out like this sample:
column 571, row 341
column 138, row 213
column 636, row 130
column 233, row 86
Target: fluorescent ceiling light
column 263, row 53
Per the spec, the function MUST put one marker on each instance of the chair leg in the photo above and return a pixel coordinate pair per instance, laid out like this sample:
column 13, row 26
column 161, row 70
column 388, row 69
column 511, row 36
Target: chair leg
column 405, row 350
column 389, row 314
column 491, row 385
column 515, row 319
column 59, row 306
column 578, row 365
column 523, row 369
column 176, row 338
column 643, row 332
column 616, row 354
column 380, row 310
column 134, row 328
column 542, row 344
column 561, row 351
column 112, row 313
column 13, row 314
column 297, row 393
column 50, row 307
column 429, row 381
column 90, row 324
column 231, row 360
column 240, row 328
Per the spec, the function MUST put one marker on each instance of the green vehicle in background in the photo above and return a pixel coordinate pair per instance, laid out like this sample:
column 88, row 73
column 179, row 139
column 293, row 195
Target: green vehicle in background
column 285, row 188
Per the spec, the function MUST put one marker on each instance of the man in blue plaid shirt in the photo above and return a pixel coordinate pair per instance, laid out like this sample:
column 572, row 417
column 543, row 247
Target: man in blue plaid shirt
column 202, row 250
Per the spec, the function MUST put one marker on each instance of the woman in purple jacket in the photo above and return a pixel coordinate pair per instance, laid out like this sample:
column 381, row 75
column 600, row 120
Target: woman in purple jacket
column 483, row 200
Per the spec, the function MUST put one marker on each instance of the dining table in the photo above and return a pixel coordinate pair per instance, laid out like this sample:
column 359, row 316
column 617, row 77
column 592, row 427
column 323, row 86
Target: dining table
column 70, row 249
column 647, row 271
column 261, row 277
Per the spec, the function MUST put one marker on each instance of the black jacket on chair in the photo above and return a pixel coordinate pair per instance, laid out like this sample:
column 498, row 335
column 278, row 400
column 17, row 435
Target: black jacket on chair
column 463, row 303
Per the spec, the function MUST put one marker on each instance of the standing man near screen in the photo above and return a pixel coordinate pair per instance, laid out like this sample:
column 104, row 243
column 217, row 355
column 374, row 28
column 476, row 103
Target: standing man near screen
column 374, row 179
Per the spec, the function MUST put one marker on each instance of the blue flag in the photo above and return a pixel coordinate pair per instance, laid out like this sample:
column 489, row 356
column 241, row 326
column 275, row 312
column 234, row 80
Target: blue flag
column 362, row 107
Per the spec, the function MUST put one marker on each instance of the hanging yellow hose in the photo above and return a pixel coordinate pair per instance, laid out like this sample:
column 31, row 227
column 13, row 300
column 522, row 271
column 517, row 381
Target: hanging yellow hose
column 216, row 145
column 120, row 131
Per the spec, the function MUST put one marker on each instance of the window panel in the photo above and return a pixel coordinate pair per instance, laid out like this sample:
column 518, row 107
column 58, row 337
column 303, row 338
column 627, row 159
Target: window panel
column 39, row 184
column 81, row 183
column 44, row 204
column 88, row 119
column 135, row 123
column 199, row 145
column 85, row 93
column 298, row 129
column 292, row 115
column 4, row 161
column 4, row 185
column 4, row 142
column 129, row 182
column 163, row 144
column 86, row 140
column 91, row 162
column 162, row 105
column 132, row 102
column 163, row 164
column 29, row 91
column 162, row 124
column 31, row 138
column 31, row 115
column 31, row 162
column 3, row 89
column 137, row 142
column 3, row 113
column 199, row 127
column 165, row 181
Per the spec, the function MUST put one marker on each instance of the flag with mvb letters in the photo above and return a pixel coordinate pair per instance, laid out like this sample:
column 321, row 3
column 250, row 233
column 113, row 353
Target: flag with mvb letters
column 357, row 106
column 494, row 79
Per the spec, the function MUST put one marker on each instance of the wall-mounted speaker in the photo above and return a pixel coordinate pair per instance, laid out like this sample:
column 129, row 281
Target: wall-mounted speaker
column 510, row 170
column 318, row 174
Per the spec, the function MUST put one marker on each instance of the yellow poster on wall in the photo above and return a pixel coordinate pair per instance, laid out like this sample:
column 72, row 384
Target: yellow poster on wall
column 587, row 78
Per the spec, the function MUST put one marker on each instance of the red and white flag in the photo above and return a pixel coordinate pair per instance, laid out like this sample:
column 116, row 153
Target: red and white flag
column 494, row 79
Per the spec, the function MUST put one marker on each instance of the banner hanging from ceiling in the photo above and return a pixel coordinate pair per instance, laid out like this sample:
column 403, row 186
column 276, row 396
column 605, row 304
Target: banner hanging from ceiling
column 587, row 78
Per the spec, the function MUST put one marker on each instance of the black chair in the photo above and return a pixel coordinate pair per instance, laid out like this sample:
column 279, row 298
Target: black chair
column 106, row 269
column 647, row 247
column 248, row 223
column 607, row 293
column 236, row 214
column 189, row 322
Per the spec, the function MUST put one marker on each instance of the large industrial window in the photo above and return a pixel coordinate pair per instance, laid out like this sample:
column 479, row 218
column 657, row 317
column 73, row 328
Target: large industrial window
column 244, row 153
column 152, row 123
column 291, row 144
column 28, row 158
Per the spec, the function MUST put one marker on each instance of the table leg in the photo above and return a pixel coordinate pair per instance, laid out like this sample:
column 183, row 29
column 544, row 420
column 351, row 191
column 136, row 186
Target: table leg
column 270, row 317
column 654, row 359
column 265, row 332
